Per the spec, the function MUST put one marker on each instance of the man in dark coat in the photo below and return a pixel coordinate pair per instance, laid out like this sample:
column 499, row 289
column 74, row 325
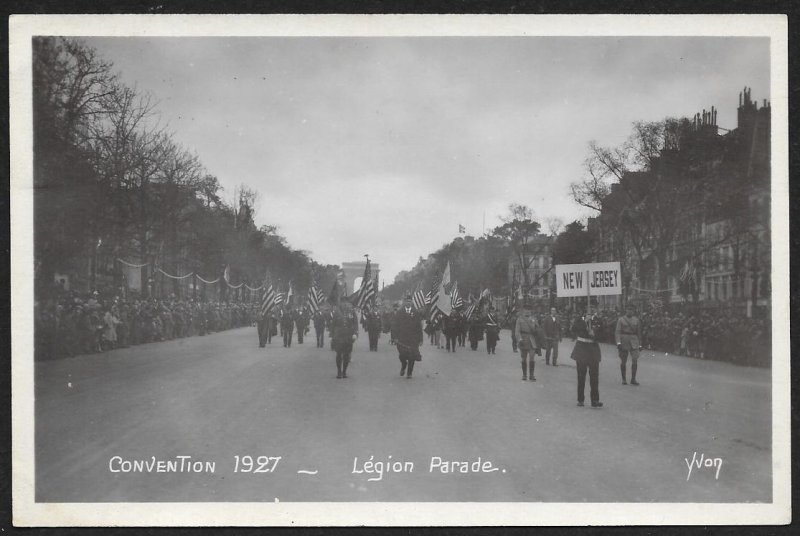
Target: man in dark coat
column 587, row 356
column 407, row 333
column 461, row 327
column 287, row 326
column 552, row 335
column 319, row 328
column 475, row 332
column 451, row 331
column 388, row 322
column 264, row 327
column 344, row 332
column 301, row 321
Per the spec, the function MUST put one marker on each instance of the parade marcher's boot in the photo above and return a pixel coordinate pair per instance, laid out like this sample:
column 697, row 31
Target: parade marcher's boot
column 524, row 371
column 531, row 377
column 410, row 369
column 634, row 366
column 344, row 367
column 622, row 369
column 403, row 368
column 338, row 366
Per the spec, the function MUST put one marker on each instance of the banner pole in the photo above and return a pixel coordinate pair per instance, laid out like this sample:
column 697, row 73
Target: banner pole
column 588, row 292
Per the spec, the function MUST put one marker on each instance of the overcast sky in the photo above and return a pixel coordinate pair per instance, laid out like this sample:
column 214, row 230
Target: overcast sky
column 385, row 145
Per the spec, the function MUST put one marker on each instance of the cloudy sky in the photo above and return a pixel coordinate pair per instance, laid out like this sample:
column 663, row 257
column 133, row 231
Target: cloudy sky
column 385, row 145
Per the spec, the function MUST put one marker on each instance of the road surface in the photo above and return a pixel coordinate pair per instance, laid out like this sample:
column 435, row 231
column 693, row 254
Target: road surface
column 217, row 397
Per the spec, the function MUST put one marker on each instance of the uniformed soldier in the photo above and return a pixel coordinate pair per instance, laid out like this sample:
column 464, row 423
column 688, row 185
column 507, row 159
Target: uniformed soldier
column 587, row 356
column 629, row 341
column 373, row 329
column 511, row 321
column 492, row 331
column 525, row 331
column 344, row 332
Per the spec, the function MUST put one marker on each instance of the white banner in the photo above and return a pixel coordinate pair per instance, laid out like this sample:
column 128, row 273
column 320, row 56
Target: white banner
column 595, row 279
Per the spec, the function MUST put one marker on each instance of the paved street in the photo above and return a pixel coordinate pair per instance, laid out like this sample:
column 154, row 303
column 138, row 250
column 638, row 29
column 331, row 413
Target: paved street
column 217, row 397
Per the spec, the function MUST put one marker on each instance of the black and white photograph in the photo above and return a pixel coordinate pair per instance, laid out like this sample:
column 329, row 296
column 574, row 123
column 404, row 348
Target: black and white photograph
column 344, row 270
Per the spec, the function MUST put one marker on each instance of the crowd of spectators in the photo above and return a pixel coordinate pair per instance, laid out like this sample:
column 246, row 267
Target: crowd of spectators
column 70, row 324
column 718, row 335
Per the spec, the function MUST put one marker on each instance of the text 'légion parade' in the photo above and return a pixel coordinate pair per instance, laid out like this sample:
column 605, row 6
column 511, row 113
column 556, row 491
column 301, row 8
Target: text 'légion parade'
column 373, row 469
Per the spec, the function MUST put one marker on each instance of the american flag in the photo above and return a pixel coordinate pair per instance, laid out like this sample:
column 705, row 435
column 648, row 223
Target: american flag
column 437, row 279
column 471, row 309
column 455, row 298
column 367, row 293
column 313, row 299
column 419, row 298
column 511, row 308
column 280, row 298
column 268, row 300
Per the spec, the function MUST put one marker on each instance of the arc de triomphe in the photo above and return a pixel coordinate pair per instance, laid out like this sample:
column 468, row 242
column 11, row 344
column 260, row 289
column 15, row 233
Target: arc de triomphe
column 355, row 270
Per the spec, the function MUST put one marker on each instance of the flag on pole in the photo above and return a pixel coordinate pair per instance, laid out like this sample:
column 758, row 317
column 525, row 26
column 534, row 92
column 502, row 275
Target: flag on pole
column 419, row 298
column 471, row 309
column 455, row 298
column 313, row 299
column 432, row 292
column 335, row 294
column 367, row 293
column 688, row 272
column 268, row 299
column 442, row 301
column 320, row 295
column 289, row 295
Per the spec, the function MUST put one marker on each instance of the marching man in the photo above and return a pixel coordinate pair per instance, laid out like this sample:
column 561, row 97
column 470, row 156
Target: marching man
column 629, row 341
column 407, row 333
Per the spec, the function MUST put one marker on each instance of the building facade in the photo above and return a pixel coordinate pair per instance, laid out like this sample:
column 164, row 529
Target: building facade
column 541, row 276
column 715, row 249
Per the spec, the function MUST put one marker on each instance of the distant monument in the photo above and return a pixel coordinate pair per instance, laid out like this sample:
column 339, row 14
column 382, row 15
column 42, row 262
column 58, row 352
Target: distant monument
column 354, row 272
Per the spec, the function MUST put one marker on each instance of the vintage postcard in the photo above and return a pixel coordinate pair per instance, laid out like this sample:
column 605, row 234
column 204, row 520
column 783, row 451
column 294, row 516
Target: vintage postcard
column 399, row 270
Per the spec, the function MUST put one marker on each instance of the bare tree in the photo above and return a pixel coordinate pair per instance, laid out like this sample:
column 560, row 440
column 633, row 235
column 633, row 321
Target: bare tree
column 519, row 231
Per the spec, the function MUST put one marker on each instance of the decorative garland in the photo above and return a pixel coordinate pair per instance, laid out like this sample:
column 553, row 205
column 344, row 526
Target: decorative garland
column 654, row 290
column 175, row 276
column 234, row 287
column 132, row 265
